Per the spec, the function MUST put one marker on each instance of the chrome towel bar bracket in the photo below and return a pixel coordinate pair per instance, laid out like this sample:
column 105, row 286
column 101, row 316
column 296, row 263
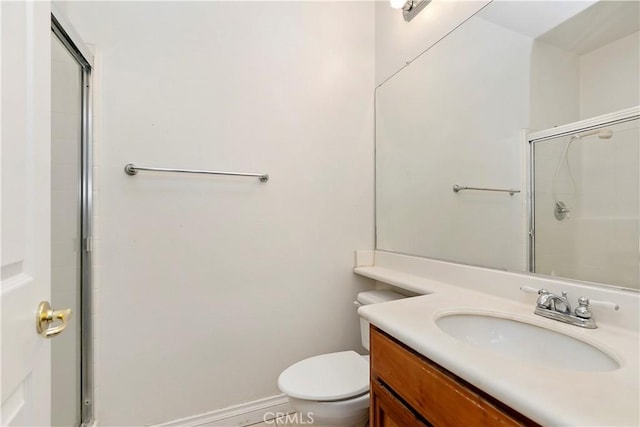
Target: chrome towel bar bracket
column 131, row 169
column 457, row 188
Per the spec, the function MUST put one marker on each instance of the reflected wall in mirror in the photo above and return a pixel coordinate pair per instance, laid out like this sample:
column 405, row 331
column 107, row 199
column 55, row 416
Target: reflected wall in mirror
column 460, row 114
column 586, row 202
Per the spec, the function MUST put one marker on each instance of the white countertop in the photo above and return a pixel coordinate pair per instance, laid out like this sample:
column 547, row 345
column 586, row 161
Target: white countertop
column 538, row 390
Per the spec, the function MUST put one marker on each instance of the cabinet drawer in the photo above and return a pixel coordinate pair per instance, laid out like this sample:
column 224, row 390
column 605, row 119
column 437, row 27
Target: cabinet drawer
column 439, row 396
column 388, row 411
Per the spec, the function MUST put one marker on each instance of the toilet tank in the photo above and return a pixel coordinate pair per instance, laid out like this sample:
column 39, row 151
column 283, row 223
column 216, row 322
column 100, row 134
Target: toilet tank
column 372, row 297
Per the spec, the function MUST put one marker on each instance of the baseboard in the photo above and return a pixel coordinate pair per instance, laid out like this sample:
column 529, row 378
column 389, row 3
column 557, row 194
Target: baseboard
column 237, row 416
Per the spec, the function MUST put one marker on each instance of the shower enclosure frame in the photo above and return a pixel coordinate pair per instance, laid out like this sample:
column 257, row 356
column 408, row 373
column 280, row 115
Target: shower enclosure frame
column 567, row 130
column 77, row 48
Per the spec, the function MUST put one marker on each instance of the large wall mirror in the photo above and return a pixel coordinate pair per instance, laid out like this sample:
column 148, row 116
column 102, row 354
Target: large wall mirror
column 540, row 100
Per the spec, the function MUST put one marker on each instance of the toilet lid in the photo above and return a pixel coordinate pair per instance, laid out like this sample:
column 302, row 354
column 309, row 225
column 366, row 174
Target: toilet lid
column 332, row 376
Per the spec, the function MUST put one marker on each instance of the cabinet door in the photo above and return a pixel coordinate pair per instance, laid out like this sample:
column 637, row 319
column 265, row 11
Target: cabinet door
column 388, row 411
column 438, row 396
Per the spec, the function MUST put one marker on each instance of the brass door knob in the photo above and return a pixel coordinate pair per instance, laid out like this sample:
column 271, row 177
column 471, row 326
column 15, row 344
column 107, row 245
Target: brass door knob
column 45, row 316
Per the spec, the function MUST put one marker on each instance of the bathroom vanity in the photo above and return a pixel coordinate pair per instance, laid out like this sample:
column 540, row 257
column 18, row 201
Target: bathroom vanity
column 470, row 350
column 509, row 159
column 407, row 389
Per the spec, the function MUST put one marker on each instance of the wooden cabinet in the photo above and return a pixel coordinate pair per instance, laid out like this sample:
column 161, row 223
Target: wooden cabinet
column 409, row 390
column 388, row 411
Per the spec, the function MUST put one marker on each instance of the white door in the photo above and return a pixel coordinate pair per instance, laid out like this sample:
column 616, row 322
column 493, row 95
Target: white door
column 25, row 29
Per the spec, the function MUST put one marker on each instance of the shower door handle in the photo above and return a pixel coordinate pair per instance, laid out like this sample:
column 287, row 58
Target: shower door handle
column 45, row 316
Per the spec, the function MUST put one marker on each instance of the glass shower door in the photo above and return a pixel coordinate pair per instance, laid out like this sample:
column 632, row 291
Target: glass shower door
column 587, row 203
column 66, row 230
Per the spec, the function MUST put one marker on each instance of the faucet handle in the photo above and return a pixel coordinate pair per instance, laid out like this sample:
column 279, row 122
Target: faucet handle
column 530, row 290
column 603, row 304
column 582, row 310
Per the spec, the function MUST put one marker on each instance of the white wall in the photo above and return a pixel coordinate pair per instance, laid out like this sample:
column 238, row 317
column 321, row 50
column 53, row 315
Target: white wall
column 554, row 86
column 620, row 61
column 208, row 287
column 455, row 116
column 398, row 41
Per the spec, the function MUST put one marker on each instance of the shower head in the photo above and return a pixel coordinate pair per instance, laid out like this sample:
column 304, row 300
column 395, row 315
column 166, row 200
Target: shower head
column 601, row 133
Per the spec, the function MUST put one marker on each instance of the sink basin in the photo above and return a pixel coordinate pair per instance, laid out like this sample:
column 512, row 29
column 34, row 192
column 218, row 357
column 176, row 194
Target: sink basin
column 526, row 342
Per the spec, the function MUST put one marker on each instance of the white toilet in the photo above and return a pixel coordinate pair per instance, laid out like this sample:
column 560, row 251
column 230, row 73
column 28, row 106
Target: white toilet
column 333, row 389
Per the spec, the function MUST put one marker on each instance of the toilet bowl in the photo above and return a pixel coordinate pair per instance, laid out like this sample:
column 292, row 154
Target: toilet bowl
column 333, row 389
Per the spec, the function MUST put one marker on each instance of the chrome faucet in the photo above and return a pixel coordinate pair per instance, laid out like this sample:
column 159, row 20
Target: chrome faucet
column 549, row 301
column 557, row 307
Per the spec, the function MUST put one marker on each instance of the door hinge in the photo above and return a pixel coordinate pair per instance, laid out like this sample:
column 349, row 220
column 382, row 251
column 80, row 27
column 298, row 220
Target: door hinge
column 88, row 244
